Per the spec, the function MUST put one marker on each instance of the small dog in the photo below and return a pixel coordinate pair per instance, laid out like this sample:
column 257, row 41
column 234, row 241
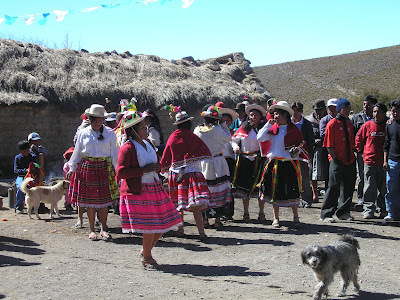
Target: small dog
column 46, row 194
column 326, row 261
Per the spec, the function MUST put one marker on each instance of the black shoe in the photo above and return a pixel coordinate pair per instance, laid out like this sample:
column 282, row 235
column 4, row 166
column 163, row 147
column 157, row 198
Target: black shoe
column 68, row 207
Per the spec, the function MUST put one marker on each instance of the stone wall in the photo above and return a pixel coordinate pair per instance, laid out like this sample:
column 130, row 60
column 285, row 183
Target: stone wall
column 56, row 128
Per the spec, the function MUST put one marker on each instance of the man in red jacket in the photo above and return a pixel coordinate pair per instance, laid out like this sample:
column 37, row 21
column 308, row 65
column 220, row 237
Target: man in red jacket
column 339, row 140
column 369, row 141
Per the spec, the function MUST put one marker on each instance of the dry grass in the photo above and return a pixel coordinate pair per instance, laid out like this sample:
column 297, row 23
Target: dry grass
column 35, row 75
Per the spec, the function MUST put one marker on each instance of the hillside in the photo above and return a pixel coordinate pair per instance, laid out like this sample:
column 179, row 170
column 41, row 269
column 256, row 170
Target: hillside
column 35, row 75
column 350, row 76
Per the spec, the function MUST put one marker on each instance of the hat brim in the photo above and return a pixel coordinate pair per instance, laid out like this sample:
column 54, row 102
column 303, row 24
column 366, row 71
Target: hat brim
column 105, row 116
column 288, row 109
column 182, row 121
column 133, row 123
column 228, row 111
column 257, row 107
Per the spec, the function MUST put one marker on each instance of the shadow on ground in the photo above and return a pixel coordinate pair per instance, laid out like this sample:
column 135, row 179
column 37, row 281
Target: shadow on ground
column 8, row 244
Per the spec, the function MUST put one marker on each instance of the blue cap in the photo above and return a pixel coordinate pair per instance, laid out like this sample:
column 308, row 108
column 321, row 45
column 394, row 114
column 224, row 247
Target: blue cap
column 112, row 117
column 342, row 102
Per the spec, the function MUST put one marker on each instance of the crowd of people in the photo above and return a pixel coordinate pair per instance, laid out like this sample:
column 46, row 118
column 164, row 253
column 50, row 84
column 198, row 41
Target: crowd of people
column 273, row 154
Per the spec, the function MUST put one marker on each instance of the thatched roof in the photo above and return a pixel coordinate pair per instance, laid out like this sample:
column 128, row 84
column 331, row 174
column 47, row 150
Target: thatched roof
column 35, row 75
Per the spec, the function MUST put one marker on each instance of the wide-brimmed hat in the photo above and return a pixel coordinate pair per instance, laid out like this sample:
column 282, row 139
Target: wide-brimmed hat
column 131, row 118
column 182, row 117
column 319, row 104
column 97, row 111
column 256, row 107
column 34, row 136
column 230, row 112
column 283, row 105
column 240, row 107
column 211, row 112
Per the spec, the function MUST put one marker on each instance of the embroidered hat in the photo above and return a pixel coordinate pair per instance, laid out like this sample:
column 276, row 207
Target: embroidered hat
column 131, row 118
column 97, row 111
column 181, row 117
column 211, row 112
column 319, row 104
column 342, row 102
column 228, row 111
column 34, row 136
column 257, row 107
column 332, row 102
column 283, row 105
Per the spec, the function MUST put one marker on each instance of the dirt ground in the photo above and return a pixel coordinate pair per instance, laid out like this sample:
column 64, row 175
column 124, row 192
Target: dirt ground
column 48, row 259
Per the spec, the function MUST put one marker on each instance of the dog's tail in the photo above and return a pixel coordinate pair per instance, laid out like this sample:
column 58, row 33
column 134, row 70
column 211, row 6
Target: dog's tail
column 24, row 185
column 347, row 238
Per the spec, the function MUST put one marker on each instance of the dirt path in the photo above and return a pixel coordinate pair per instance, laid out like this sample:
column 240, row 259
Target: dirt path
column 47, row 259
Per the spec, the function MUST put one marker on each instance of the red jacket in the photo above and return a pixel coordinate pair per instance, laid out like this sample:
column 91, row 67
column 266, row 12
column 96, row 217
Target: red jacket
column 335, row 138
column 369, row 141
column 129, row 171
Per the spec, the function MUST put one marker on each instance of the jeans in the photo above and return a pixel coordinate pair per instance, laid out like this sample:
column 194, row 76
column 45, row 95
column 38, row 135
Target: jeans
column 19, row 201
column 374, row 189
column 360, row 170
column 392, row 197
column 339, row 195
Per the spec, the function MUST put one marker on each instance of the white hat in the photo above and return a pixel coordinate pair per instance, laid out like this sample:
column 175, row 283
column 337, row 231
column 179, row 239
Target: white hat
column 182, row 117
column 34, row 136
column 283, row 105
column 257, row 107
column 112, row 117
column 332, row 102
column 230, row 112
column 97, row 111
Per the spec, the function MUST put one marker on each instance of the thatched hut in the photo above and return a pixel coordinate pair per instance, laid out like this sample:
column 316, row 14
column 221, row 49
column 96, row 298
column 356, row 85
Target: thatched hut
column 45, row 90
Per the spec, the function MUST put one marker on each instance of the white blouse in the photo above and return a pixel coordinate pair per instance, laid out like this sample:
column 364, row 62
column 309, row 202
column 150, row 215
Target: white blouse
column 248, row 144
column 145, row 157
column 277, row 147
column 87, row 143
column 154, row 136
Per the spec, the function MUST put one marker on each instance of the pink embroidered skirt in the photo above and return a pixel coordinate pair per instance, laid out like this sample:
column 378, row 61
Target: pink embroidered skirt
column 192, row 191
column 150, row 212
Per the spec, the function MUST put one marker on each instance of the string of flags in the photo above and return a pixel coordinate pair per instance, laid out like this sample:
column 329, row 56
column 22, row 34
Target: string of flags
column 59, row 15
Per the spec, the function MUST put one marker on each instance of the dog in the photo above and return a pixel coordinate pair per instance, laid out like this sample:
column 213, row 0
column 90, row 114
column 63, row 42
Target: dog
column 325, row 261
column 46, row 194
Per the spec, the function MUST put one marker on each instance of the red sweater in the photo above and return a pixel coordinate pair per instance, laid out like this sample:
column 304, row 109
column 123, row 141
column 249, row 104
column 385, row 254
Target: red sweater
column 369, row 141
column 129, row 171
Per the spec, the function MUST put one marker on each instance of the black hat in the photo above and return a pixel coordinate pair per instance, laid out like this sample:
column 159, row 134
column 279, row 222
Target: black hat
column 240, row 107
column 318, row 104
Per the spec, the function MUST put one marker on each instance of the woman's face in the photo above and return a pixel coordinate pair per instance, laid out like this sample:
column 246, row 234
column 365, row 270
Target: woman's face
column 141, row 131
column 255, row 117
column 227, row 119
column 96, row 123
column 280, row 117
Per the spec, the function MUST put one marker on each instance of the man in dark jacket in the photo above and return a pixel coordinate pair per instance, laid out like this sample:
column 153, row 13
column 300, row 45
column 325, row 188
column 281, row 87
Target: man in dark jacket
column 306, row 129
column 359, row 120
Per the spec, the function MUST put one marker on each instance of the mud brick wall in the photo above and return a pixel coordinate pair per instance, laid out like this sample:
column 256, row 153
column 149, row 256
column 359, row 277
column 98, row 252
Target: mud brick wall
column 56, row 127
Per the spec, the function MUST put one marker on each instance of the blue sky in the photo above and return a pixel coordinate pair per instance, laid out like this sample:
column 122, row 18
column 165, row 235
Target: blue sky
column 267, row 32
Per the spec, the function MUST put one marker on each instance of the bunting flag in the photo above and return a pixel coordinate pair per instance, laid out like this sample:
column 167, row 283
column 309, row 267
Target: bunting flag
column 61, row 14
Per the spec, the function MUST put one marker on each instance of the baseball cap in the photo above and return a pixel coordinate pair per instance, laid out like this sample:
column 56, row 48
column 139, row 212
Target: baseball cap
column 34, row 136
column 332, row 102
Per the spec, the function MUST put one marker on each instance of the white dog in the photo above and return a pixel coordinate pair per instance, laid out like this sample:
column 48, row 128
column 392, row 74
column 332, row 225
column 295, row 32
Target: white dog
column 46, row 194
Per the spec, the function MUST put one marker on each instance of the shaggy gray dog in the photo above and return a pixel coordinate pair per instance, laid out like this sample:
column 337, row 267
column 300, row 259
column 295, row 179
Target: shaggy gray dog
column 327, row 260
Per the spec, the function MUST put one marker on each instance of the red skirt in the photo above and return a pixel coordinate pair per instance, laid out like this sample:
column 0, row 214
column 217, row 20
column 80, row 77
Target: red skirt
column 192, row 191
column 150, row 212
column 90, row 186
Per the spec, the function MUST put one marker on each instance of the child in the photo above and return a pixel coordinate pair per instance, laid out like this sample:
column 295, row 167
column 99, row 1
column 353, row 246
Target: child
column 391, row 163
column 21, row 165
column 67, row 156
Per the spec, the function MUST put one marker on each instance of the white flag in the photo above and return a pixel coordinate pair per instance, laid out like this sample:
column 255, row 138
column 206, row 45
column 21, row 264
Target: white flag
column 29, row 19
column 60, row 14
column 187, row 3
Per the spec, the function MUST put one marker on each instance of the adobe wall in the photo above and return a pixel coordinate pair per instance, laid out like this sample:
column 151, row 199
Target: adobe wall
column 56, row 128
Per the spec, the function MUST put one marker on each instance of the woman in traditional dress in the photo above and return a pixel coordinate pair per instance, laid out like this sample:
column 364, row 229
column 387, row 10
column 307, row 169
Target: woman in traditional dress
column 144, row 205
column 154, row 131
column 93, row 164
column 249, row 161
column 187, row 187
column 215, row 134
column 281, row 179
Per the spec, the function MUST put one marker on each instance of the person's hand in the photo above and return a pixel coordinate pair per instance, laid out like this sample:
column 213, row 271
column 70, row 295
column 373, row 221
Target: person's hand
column 386, row 166
column 272, row 121
column 69, row 174
column 151, row 168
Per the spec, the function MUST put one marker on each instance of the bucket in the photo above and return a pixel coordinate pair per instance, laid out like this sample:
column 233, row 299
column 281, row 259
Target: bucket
column 11, row 197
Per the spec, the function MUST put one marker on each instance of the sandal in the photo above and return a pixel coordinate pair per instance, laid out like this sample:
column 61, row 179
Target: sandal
column 261, row 217
column 203, row 237
column 296, row 222
column 275, row 223
column 149, row 263
column 180, row 232
column 78, row 225
column 246, row 217
column 93, row 236
column 217, row 225
column 105, row 236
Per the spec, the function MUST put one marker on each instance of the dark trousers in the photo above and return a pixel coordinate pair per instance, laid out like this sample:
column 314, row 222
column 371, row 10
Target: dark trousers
column 339, row 195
